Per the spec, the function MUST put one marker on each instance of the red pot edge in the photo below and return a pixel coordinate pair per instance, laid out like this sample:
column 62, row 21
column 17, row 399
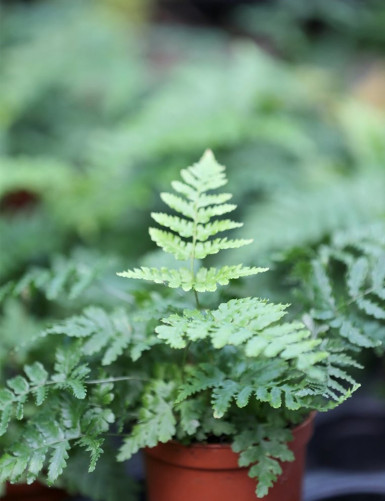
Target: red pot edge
column 189, row 456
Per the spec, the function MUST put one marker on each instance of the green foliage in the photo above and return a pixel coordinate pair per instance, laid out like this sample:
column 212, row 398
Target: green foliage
column 260, row 362
column 156, row 420
column 197, row 208
column 346, row 282
column 251, row 323
column 61, row 421
column 110, row 333
column 263, row 449
column 65, row 279
column 206, row 279
column 299, row 218
column 234, row 368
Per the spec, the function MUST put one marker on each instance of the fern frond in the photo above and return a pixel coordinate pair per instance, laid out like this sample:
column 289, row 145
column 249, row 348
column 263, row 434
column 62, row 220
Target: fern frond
column 351, row 304
column 192, row 229
column 210, row 229
column 156, row 421
column 109, row 333
column 205, row 175
column 66, row 276
column 204, row 376
column 204, row 215
column 178, row 204
column 69, row 375
column 251, row 323
column 181, row 226
column 207, row 279
column 185, row 228
column 58, row 460
column 264, row 447
column 51, row 432
column 171, row 243
column 93, row 446
column 185, row 250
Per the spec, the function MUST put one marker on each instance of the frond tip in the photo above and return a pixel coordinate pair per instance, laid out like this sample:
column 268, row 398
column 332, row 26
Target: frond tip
column 192, row 233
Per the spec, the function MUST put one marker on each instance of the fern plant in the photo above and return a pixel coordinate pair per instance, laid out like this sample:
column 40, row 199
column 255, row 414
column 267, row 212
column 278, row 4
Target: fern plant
column 180, row 360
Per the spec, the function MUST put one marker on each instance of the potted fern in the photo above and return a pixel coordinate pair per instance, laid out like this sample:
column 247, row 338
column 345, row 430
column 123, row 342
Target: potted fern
column 217, row 390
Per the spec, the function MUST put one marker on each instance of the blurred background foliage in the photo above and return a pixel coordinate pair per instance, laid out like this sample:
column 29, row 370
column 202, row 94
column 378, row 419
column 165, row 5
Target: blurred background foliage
column 102, row 102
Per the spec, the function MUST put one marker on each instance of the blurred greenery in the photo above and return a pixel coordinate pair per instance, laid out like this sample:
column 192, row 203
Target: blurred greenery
column 97, row 113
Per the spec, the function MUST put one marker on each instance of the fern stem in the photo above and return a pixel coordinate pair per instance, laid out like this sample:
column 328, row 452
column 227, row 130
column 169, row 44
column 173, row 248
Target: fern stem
column 355, row 298
column 115, row 380
column 197, row 299
column 194, row 241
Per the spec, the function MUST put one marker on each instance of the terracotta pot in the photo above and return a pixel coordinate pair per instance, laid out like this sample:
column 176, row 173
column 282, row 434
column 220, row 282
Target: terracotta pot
column 33, row 492
column 207, row 472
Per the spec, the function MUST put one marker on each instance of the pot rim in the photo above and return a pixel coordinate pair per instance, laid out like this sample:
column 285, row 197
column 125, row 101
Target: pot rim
column 202, row 445
column 217, row 456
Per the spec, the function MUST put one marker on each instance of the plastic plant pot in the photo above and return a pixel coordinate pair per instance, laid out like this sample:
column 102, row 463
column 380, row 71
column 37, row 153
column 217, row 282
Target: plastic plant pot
column 210, row 472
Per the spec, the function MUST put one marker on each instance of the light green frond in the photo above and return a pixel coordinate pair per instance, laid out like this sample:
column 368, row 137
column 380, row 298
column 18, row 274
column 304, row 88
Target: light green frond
column 108, row 333
column 183, row 227
column 206, row 200
column 203, row 249
column 173, row 278
column 357, row 274
column 185, row 189
column 205, row 231
column 179, row 204
column 207, row 279
column 171, row 243
column 251, row 323
column 206, row 174
column 184, row 251
column 263, row 449
column 347, row 282
column 156, row 420
column 204, row 215
column 192, row 228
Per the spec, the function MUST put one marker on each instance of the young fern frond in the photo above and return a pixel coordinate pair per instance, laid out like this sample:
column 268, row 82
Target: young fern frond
column 192, row 229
